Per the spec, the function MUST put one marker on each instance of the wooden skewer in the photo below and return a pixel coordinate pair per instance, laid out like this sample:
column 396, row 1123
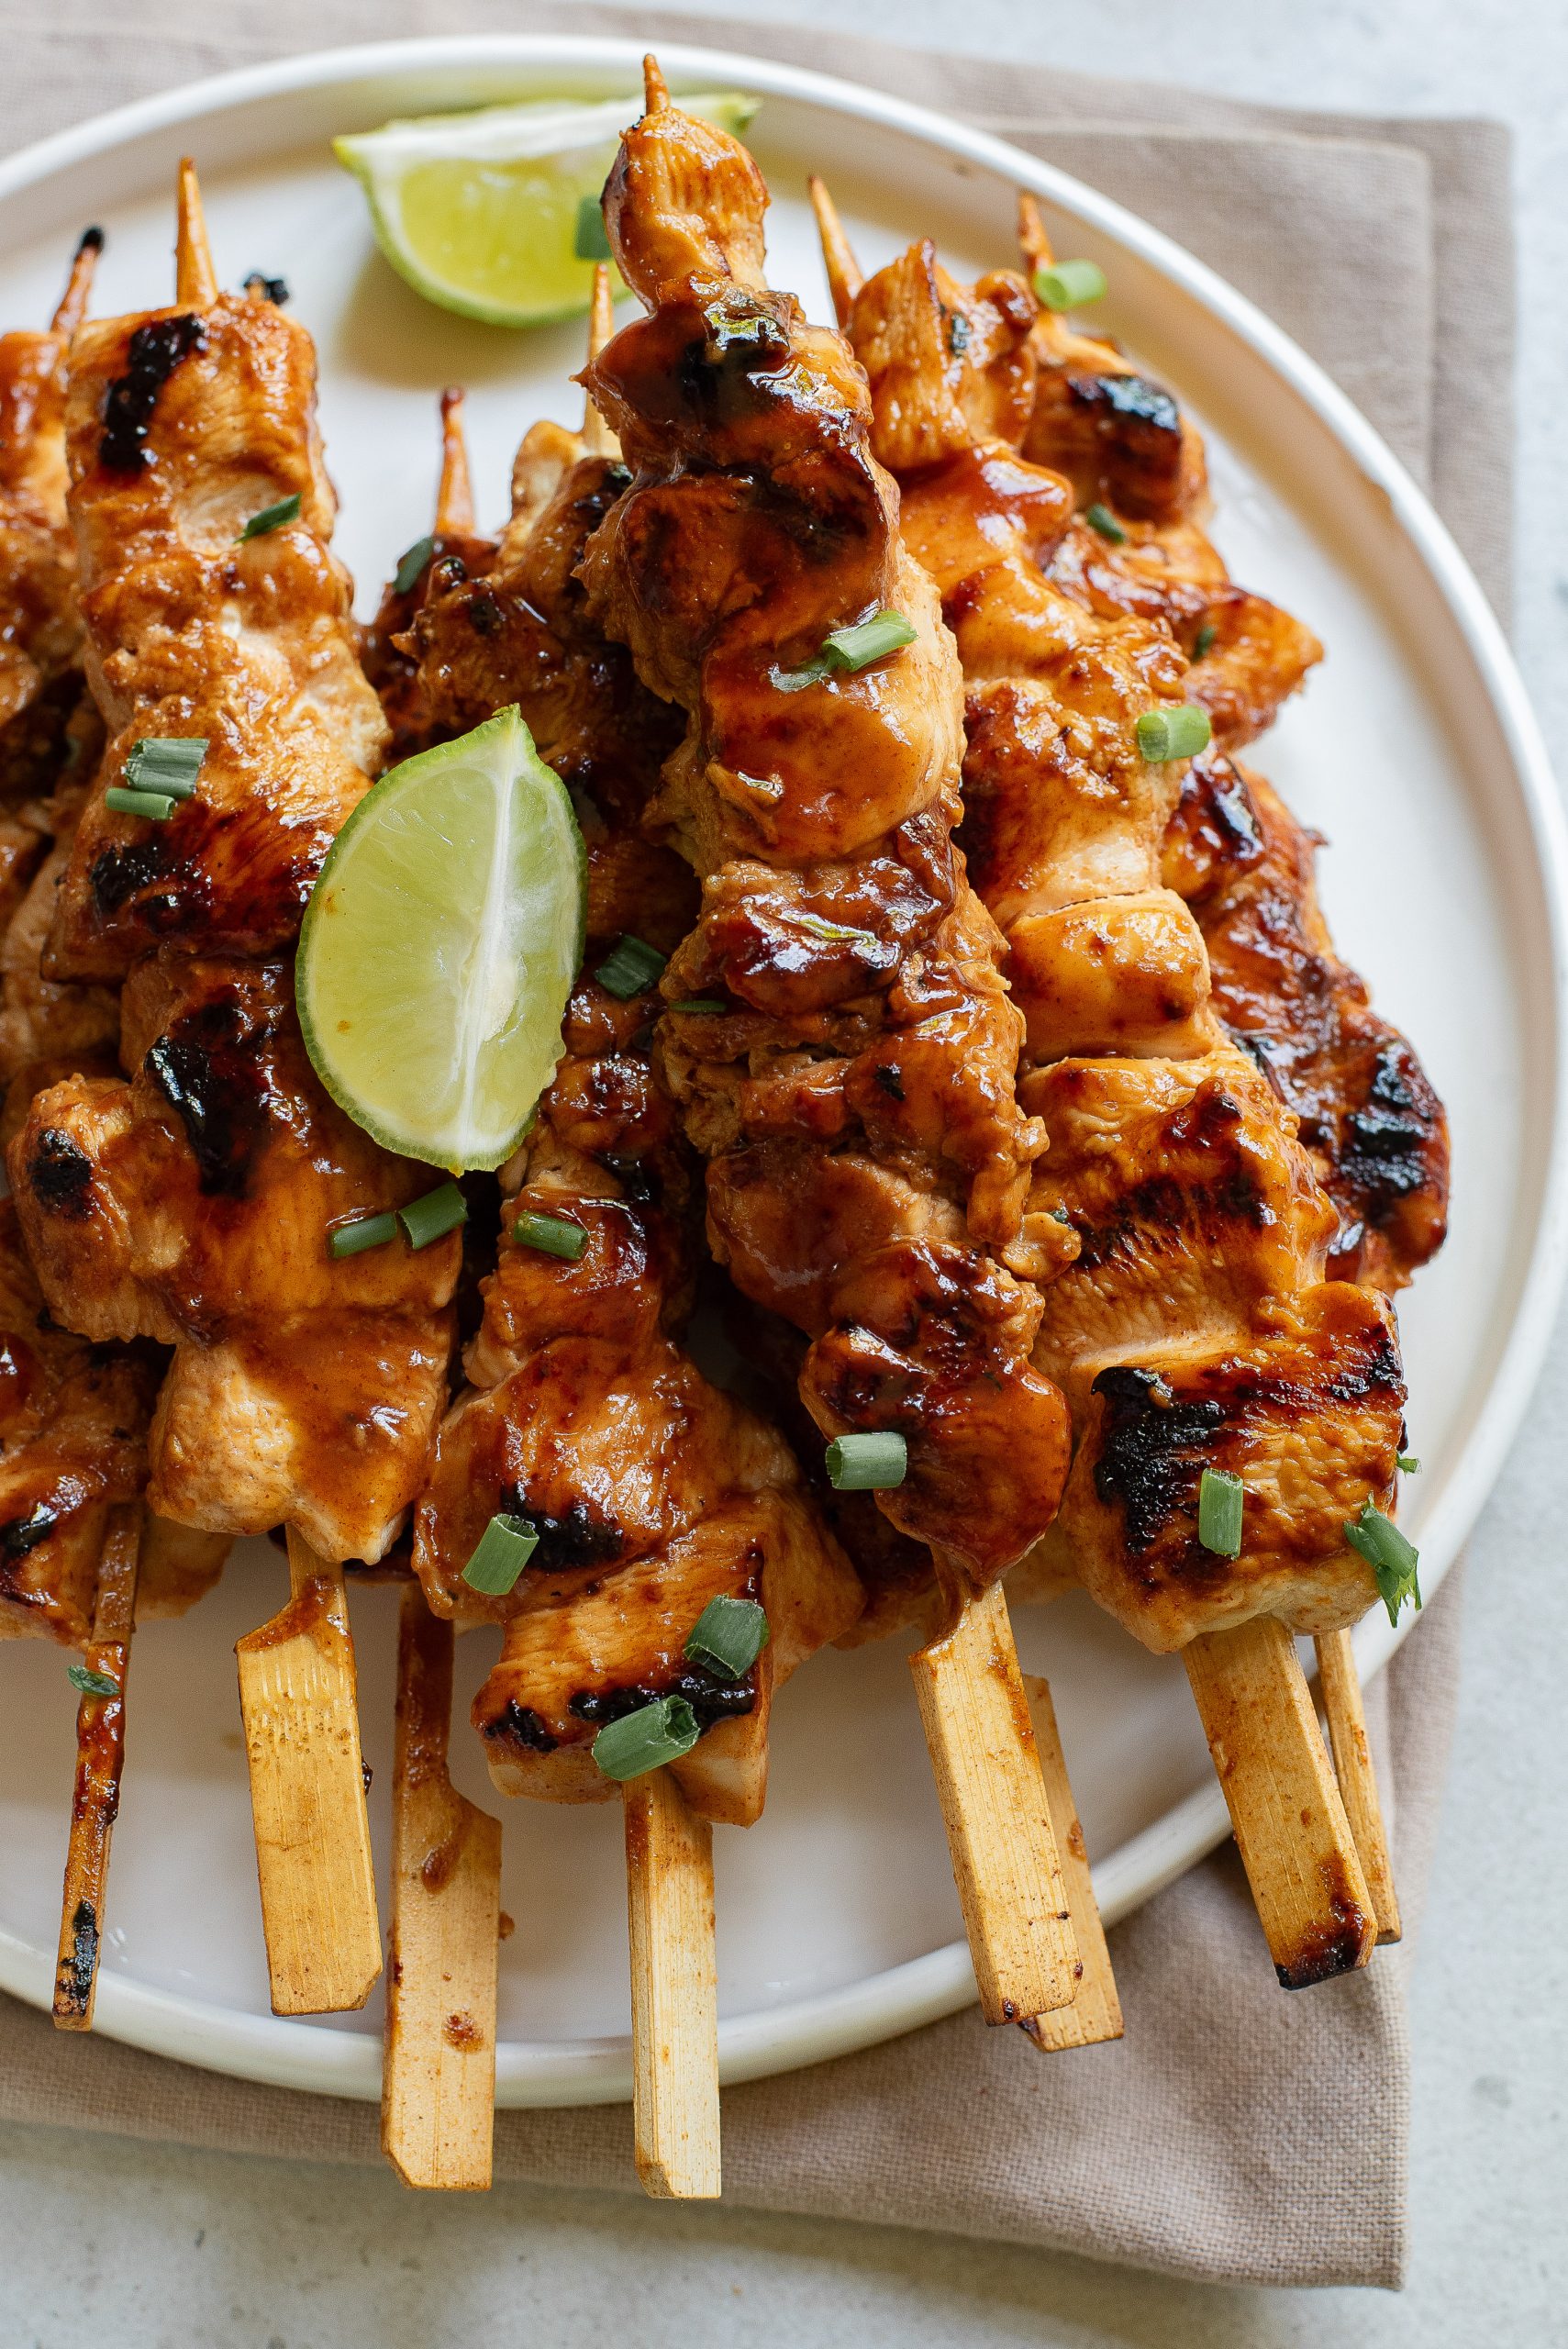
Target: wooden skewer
column 454, row 498
column 298, row 1692
column 598, row 438
column 655, row 89
column 1291, row 1829
column 845, row 277
column 78, row 286
column 100, row 1758
column 1095, row 2013
column 1033, row 242
column 438, row 2097
column 1004, row 1852
column 1338, row 1685
column 674, row 1991
column 195, row 283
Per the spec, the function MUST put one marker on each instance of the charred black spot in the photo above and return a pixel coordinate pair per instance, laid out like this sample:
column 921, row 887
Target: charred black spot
column 1389, row 1136
column 888, row 1077
column 578, row 1538
column 25, row 1534
column 153, row 353
column 268, row 289
column 1335, row 1946
column 73, row 1980
column 1133, row 398
column 485, row 614
column 636, row 1179
column 58, row 1175
column 1152, row 1451
column 119, row 873
column 517, row 1725
column 207, row 1068
column 710, row 1698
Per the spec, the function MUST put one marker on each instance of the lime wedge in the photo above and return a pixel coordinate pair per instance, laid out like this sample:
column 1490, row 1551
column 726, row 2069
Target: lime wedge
column 484, row 212
column 440, row 947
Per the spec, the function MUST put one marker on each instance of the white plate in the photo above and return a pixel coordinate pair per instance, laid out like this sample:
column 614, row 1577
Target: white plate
column 1413, row 747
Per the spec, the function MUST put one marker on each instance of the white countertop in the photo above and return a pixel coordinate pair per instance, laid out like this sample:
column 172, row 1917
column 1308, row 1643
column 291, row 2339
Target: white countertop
column 133, row 2246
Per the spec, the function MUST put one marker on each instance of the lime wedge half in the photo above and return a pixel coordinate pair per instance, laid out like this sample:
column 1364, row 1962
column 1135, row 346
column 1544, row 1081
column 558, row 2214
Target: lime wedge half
column 440, row 947
column 483, row 212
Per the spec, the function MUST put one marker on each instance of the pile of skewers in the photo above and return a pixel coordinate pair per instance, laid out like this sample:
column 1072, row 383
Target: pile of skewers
column 956, row 1017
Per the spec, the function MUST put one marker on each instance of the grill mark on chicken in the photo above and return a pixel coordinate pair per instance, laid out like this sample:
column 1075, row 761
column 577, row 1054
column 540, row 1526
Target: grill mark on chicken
column 58, row 1175
column 152, row 354
column 213, row 1068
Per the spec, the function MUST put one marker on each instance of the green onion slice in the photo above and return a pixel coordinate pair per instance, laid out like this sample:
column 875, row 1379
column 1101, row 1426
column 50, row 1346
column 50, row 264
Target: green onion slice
column 156, row 806
column 647, row 1739
column 867, row 1463
column 168, row 763
column 1070, row 284
column 1219, row 1498
column 1100, row 517
column 503, row 1551
column 1165, row 734
column 1203, row 641
column 411, row 564
column 551, row 1235
column 434, row 1215
column 848, row 648
column 1407, row 1463
column 1392, row 1559
column 271, row 517
column 591, row 243
column 708, row 1003
column 729, row 1636
column 365, row 1231
column 92, row 1683
column 630, row 967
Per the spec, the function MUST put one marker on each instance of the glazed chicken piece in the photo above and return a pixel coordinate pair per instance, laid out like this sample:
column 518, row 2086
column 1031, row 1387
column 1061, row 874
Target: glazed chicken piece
column 1191, row 1325
column 651, row 1490
column 183, row 426
column 193, row 1206
column 853, row 1089
column 1369, row 1118
column 40, row 627
column 49, row 1029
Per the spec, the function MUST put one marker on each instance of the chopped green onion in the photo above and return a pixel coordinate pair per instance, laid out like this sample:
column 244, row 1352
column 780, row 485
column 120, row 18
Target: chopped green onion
column 411, row 564
column 1392, row 1559
column 647, row 1739
column 591, row 243
column 1069, row 285
column 1165, row 734
column 271, row 517
column 166, row 762
column 503, row 1551
column 92, row 1683
column 701, row 1003
column 551, row 1235
column 729, row 1636
column 1407, row 1463
column 867, row 1463
column 365, row 1231
column 1203, row 642
column 156, row 806
column 848, row 648
column 434, row 1215
column 1220, row 1513
column 630, row 967
column 1100, row 517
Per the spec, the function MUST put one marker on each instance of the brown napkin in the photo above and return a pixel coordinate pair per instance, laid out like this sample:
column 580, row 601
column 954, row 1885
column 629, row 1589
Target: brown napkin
column 1237, row 2134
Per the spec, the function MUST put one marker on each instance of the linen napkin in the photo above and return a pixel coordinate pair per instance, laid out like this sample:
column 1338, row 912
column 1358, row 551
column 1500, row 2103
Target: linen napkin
column 1237, row 2134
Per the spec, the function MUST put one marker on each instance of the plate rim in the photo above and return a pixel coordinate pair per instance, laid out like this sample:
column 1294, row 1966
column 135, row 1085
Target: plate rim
column 320, row 2058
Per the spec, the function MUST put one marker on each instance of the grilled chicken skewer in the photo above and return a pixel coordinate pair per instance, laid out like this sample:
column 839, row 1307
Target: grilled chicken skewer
column 193, row 1204
column 652, row 1493
column 1104, row 964
column 854, row 1091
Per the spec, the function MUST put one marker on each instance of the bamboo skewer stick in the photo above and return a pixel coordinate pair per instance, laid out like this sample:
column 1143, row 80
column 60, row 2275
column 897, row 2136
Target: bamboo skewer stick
column 298, row 1692
column 1340, row 1687
column 674, row 1991
column 1291, row 1829
column 454, row 498
column 100, row 1759
column 1095, row 2013
column 598, row 438
column 74, row 302
column 844, row 275
column 1005, row 1858
column 438, row 2095
column 195, row 281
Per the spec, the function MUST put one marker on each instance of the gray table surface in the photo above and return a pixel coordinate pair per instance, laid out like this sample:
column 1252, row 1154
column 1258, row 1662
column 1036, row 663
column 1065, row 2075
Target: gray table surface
column 145, row 2248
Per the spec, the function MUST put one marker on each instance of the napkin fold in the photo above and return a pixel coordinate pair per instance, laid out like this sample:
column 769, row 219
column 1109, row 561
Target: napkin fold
column 1237, row 2134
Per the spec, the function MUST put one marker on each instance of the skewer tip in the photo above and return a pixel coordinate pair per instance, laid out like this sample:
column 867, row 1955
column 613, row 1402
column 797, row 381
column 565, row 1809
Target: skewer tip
column 655, row 90
column 1033, row 242
column 79, row 284
column 844, row 274
column 194, row 280
column 454, row 498
column 598, row 438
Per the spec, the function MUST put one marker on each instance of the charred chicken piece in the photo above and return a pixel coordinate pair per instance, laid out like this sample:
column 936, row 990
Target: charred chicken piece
column 854, row 1095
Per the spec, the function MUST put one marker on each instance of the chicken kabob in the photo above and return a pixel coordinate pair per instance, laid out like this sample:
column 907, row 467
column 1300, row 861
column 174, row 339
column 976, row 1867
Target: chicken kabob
column 1215, row 1376
column 835, row 1029
column 645, row 1541
column 1369, row 1118
column 78, row 1563
column 201, row 1201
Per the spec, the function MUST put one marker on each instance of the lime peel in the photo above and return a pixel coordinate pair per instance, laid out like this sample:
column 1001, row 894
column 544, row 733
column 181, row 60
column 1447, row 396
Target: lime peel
column 479, row 211
column 441, row 945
